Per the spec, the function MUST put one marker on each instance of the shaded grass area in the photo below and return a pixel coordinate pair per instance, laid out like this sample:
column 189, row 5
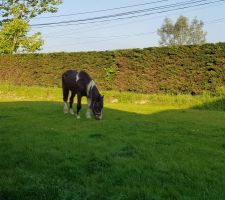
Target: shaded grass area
column 135, row 152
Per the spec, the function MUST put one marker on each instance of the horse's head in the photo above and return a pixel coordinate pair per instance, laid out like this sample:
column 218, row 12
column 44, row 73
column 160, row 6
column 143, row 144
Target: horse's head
column 97, row 106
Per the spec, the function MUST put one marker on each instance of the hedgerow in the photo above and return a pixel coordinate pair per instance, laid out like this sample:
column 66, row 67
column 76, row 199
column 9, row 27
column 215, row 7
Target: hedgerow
column 181, row 69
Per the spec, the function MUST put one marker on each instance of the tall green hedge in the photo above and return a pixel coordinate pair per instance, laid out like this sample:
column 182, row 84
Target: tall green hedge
column 183, row 69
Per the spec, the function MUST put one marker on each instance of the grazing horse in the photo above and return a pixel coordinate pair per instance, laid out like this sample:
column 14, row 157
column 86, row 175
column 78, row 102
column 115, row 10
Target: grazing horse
column 80, row 83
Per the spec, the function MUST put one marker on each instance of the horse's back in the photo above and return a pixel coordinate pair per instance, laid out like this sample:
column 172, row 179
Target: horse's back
column 83, row 77
column 70, row 74
column 69, row 79
column 76, row 81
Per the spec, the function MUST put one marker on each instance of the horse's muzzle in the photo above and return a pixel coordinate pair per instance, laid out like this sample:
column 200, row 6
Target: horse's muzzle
column 98, row 117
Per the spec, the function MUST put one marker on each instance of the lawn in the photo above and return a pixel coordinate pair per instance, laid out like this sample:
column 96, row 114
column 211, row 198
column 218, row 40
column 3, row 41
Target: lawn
column 137, row 152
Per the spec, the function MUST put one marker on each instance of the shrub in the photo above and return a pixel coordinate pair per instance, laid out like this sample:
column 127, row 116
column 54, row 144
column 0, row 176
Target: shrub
column 184, row 69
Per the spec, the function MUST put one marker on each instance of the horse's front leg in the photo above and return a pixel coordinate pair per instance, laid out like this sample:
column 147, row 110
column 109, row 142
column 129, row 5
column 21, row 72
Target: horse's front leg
column 71, row 102
column 78, row 105
column 88, row 113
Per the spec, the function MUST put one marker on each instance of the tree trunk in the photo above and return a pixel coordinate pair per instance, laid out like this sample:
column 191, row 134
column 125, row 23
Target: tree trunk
column 15, row 39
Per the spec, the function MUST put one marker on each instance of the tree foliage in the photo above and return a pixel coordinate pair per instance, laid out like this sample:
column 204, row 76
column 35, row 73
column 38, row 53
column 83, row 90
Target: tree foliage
column 14, row 24
column 14, row 38
column 181, row 32
column 27, row 9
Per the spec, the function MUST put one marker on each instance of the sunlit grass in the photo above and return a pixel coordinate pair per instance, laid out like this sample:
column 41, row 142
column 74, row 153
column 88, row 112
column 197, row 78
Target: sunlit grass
column 9, row 92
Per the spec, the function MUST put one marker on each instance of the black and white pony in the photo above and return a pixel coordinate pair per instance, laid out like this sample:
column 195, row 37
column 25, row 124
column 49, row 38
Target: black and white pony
column 80, row 83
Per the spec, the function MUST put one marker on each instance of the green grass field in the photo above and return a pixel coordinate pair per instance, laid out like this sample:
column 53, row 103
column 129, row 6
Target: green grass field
column 146, row 147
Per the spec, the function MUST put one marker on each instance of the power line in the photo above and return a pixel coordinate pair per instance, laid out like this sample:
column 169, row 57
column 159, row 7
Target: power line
column 88, row 29
column 92, row 20
column 116, row 37
column 103, row 10
column 112, row 38
column 216, row 21
column 119, row 14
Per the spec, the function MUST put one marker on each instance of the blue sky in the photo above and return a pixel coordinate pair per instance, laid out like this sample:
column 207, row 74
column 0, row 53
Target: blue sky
column 129, row 33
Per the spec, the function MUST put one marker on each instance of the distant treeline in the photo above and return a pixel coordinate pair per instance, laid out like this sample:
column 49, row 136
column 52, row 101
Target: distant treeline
column 181, row 69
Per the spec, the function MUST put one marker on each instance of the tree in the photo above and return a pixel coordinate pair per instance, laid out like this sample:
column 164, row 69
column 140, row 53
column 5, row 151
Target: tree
column 27, row 9
column 14, row 38
column 181, row 33
column 14, row 24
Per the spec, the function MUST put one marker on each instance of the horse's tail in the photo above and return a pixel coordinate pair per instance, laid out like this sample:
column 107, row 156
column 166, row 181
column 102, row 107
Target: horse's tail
column 65, row 77
column 65, row 88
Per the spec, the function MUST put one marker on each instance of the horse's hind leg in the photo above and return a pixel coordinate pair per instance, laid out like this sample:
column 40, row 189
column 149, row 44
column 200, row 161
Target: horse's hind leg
column 73, row 93
column 78, row 105
column 65, row 98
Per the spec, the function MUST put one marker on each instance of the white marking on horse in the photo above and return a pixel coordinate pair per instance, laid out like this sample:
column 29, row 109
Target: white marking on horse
column 71, row 111
column 77, row 77
column 90, row 85
column 65, row 109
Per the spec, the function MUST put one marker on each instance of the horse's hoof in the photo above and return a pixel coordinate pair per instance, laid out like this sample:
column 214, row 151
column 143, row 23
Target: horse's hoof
column 78, row 117
column 71, row 112
column 88, row 116
column 65, row 111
